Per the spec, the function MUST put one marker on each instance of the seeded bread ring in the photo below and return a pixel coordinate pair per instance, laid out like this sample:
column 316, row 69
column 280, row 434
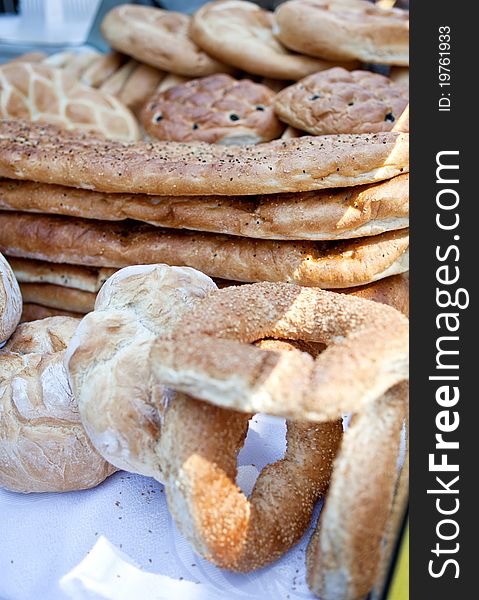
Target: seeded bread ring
column 10, row 301
column 208, row 355
column 344, row 553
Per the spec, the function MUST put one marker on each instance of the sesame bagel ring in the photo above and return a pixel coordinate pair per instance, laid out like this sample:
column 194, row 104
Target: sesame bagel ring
column 225, row 526
column 208, row 354
column 344, row 553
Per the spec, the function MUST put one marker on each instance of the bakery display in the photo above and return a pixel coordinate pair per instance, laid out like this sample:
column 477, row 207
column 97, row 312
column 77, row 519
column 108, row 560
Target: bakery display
column 340, row 101
column 158, row 38
column 45, row 94
column 241, row 34
column 208, row 221
column 215, row 109
column 10, row 301
column 345, row 30
column 43, row 446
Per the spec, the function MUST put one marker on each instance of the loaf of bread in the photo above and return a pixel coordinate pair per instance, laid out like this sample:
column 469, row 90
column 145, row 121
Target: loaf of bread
column 36, row 312
column 105, row 244
column 10, row 301
column 48, row 154
column 321, row 215
column 37, row 92
column 58, row 296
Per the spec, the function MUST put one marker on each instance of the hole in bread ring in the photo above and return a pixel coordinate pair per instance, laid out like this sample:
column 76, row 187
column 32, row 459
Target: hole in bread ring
column 224, row 526
column 208, row 354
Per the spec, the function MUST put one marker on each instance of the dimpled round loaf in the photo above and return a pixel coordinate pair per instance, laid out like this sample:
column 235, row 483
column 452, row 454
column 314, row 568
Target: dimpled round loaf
column 340, row 101
column 10, row 301
column 345, row 30
column 215, row 109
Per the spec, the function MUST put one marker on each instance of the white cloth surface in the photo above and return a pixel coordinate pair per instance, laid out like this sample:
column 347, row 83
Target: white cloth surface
column 43, row 537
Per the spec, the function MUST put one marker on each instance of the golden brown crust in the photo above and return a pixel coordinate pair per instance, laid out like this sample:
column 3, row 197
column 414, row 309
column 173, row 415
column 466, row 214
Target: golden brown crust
column 208, row 354
column 214, row 109
column 101, row 68
column 32, row 57
column 36, row 312
column 158, row 38
column 47, row 154
column 320, row 215
column 37, row 92
column 116, row 82
column 43, row 447
column 340, row 101
column 105, row 244
column 344, row 552
column 393, row 291
column 345, row 30
column 58, row 296
column 88, row 279
column 10, row 300
column 141, row 84
column 241, row 34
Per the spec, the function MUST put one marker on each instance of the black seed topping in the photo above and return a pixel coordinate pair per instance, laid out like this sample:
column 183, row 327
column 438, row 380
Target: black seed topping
column 259, row 107
column 389, row 117
column 195, row 126
column 350, row 103
column 158, row 117
column 315, row 97
column 234, row 117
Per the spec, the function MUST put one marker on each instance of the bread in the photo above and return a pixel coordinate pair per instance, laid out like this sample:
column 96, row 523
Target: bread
column 35, row 312
column 345, row 30
column 158, row 38
column 37, row 92
column 88, row 279
column 122, row 407
column 215, row 109
column 322, row 215
column 170, row 80
column 48, row 154
column 240, row 33
column 32, row 57
column 393, row 291
column 104, row 244
column 76, row 64
column 101, row 68
column 340, row 101
column 10, row 301
column 400, row 75
column 344, row 552
column 208, row 354
column 58, row 296
column 117, row 81
column 139, row 86
column 43, row 446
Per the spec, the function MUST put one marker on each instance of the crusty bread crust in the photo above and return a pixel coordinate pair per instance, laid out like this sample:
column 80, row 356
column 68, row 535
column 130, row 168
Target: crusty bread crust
column 48, row 154
column 37, row 92
column 139, row 86
column 58, row 296
column 88, row 279
column 158, row 38
column 36, row 312
column 10, row 300
column 241, row 34
column 345, row 30
column 321, row 215
column 105, row 244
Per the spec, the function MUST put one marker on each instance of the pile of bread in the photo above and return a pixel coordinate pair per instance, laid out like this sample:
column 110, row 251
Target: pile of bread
column 237, row 146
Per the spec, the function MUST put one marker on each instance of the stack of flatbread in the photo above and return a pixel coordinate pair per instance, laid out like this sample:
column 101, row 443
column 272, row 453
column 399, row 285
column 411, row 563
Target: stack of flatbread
column 324, row 205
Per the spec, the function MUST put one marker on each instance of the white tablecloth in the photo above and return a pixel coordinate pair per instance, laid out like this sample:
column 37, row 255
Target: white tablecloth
column 44, row 536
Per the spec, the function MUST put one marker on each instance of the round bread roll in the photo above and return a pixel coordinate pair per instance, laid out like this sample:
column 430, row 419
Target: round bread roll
column 10, row 301
column 37, row 92
column 43, row 446
column 158, row 38
column 345, row 30
column 340, row 101
column 215, row 109
column 241, row 34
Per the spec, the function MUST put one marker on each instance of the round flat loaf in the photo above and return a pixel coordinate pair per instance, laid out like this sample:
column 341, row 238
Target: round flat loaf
column 43, row 446
column 10, row 301
column 345, row 30
column 158, row 38
column 322, row 215
column 241, row 34
column 37, row 92
column 217, row 109
column 48, row 154
column 101, row 243
column 340, row 101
